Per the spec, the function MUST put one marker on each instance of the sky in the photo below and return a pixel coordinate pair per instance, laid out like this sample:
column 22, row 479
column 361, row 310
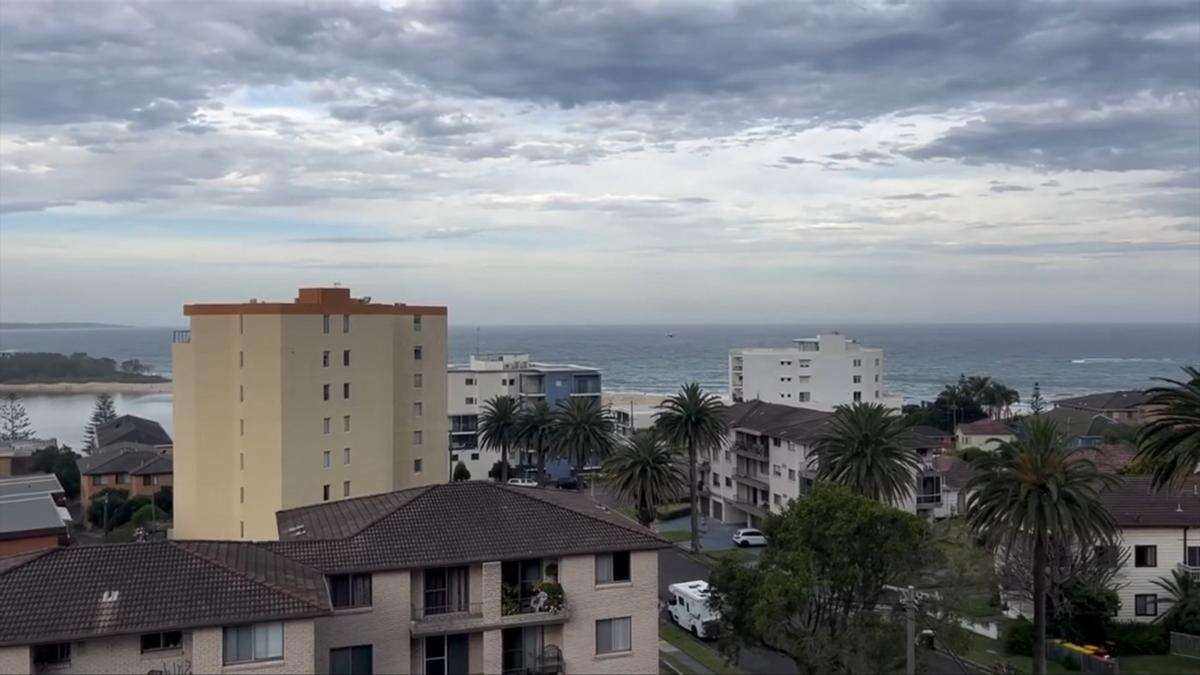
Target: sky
column 589, row 162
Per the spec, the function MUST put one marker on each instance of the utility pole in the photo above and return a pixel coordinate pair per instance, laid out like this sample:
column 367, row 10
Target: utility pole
column 910, row 612
column 105, row 512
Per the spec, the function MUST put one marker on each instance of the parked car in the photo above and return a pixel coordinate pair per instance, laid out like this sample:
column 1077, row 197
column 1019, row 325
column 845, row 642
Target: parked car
column 749, row 537
column 689, row 608
column 522, row 482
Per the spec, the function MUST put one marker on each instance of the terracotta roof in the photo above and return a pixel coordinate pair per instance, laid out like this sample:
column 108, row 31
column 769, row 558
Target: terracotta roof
column 1075, row 422
column 1108, row 400
column 80, row 592
column 1111, row 457
column 131, row 429
column 800, row 425
column 986, row 426
column 923, row 437
column 1134, row 503
column 451, row 524
column 955, row 472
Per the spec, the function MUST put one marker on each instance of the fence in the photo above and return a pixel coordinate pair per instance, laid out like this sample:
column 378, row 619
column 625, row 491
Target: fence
column 1183, row 644
column 1087, row 663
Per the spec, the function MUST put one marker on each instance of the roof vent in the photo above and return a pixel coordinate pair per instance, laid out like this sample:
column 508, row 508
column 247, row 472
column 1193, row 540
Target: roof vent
column 110, row 596
column 1179, row 508
column 296, row 530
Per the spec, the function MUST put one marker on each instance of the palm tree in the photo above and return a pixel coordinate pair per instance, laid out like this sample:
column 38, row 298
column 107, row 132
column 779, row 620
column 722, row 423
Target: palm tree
column 1170, row 440
column 1032, row 491
column 865, row 448
column 1184, row 590
column 646, row 472
column 999, row 398
column 498, row 428
column 693, row 420
column 534, row 430
column 582, row 430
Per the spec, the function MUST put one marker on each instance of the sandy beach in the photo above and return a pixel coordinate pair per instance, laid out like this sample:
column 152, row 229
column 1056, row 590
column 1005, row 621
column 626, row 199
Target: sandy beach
column 87, row 388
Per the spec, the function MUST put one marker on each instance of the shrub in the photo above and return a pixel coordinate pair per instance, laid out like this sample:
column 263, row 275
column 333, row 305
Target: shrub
column 672, row 511
column 1018, row 638
column 461, row 472
column 165, row 499
column 145, row 514
column 1131, row 638
column 116, row 500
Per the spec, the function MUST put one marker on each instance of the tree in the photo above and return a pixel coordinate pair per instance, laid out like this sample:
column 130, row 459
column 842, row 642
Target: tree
column 865, row 448
column 61, row 463
column 105, row 507
column 1037, row 404
column 1183, row 614
column 535, row 428
column 814, row 591
column 695, row 421
column 103, row 412
column 582, row 431
column 134, row 367
column 14, row 421
column 165, row 499
column 1170, row 441
column 461, row 472
column 498, row 428
column 646, row 472
column 1032, row 491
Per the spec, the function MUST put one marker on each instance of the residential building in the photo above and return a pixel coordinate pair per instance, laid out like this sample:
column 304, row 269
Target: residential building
column 32, row 514
column 437, row 579
column 941, row 485
column 282, row 404
column 16, row 456
column 1086, row 429
column 1127, row 406
column 819, row 373
column 986, row 434
column 485, row 376
column 140, row 470
column 131, row 429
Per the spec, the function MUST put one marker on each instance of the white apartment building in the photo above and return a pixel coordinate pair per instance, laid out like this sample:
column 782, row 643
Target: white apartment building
column 820, row 372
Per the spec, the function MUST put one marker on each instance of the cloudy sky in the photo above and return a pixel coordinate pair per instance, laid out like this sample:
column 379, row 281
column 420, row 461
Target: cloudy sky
column 559, row 162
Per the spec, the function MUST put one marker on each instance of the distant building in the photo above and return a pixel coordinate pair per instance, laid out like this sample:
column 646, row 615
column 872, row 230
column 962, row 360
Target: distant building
column 486, row 376
column 1084, row 429
column 986, row 434
column 32, row 515
column 820, row 373
column 131, row 429
column 16, row 457
column 283, row 404
column 141, row 470
column 1128, row 406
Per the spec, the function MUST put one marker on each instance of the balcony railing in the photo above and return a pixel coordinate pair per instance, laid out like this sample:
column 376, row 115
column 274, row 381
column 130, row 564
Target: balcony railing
column 181, row 336
column 757, row 508
column 758, row 479
column 460, row 609
column 1193, row 570
column 929, row 500
column 752, row 449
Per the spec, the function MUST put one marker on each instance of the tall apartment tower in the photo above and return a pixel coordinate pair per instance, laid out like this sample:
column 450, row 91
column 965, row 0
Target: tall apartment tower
column 279, row 405
column 819, row 373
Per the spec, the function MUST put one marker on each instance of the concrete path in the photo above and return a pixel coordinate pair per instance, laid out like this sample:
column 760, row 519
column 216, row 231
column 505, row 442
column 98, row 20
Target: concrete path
column 690, row 666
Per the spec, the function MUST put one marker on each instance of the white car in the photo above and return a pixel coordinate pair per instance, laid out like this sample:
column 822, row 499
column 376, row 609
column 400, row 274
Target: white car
column 749, row 537
column 522, row 482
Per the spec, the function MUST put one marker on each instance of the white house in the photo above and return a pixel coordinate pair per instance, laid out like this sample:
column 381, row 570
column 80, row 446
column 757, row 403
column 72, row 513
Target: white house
column 986, row 433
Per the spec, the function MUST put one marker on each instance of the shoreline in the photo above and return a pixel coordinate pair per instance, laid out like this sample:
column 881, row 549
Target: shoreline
column 86, row 387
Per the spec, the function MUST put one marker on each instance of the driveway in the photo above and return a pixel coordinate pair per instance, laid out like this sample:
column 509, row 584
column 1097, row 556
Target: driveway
column 714, row 535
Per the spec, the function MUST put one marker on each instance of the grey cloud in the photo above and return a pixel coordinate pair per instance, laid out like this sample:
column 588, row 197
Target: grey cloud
column 1006, row 187
column 1184, row 227
column 1051, row 184
column 920, row 196
column 23, row 206
column 440, row 233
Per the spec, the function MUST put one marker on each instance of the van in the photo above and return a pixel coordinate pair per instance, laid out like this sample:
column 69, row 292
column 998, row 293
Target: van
column 689, row 608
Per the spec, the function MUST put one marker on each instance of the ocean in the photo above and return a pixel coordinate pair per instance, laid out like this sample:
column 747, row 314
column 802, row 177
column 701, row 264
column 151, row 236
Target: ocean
column 1066, row 359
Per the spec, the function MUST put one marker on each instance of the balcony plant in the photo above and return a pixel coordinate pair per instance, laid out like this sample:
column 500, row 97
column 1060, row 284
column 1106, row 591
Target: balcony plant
column 549, row 597
column 510, row 600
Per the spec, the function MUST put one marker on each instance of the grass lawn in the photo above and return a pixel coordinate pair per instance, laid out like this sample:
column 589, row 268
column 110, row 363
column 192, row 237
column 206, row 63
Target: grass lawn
column 1157, row 665
column 693, row 648
column 987, row 652
column 676, row 535
column 739, row 555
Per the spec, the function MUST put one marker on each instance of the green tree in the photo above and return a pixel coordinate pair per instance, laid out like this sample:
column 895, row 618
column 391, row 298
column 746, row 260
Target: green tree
column 106, row 506
column 61, row 463
column 1031, row 491
column 1169, row 442
column 695, row 421
column 498, row 428
column 864, row 447
column 1037, row 404
column 582, row 431
column 1183, row 613
column 14, row 420
column 103, row 412
column 461, row 472
column 646, row 472
column 814, row 592
column 535, row 430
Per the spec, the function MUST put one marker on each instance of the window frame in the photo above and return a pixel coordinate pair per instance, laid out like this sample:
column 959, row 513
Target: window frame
column 254, row 628
column 358, row 586
column 615, row 567
column 161, row 648
column 1151, row 551
column 1142, row 602
column 610, row 624
column 59, row 658
column 350, row 652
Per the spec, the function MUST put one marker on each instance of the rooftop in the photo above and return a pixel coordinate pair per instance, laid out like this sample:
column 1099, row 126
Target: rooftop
column 1134, row 503
column 489, row 363
column 1109, row 400
column 322, row 300
column 131, row 458
column 1075, row 422
column 27, row 486
column 131, row 429
column 986, row 426
column 30, row 516
column 800, row 425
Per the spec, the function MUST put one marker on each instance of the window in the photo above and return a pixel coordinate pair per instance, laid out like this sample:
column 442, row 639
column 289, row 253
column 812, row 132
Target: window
column 345, row 390
column 857, row 363
column 1192, row 556
column 876, row 377
column 1145, row 556
column 325, row 493
column 345, row 488
column 778, row 500
column 345, row 423
column 474, row 456
column 241, row 495
column 325, row 359
column 241, row 394
column 612, row 568
column 241, row 427
column 345, row 456
column 155, row 641
column 147, row 480
column 614, row 635
column 416, row 380
column 97, row 480
column 122, row 479
column 255, row 642
column 345, row 323
column 416, row 324
column 857, row 396
column 351, row 661
column 1145, row 604
column 416, row 466
column 802, row 396
column 416, row 438
column 785, row 379
column 325, row 324
column 716, row 480
column 58, row 653
column 857, row 379
column 727, row 456
column 325, row 425
column 417, row 409
column 417, row 353
column 325, row 459
column 470, row 400
column 791, row 474
column 728, row 482
column 877, row 362
column 777, row 442
column 241, row 324
column 345, row 357
column 242, row 528
column 242, row 460
column 470, row 382
column 241, row 359
column 876, row 393
column 350, row 590
column 325, row 392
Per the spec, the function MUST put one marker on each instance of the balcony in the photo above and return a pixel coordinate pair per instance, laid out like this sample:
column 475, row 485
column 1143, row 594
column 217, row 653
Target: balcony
column 929, row 501
column 751, row 449
column 761, row 509
column 525, row 606
column 753, row 478
column 1193, row 570
column 462, row 618
column 181, row 336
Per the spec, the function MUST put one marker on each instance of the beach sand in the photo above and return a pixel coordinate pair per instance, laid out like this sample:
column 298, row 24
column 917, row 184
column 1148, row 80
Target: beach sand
column 87, row 388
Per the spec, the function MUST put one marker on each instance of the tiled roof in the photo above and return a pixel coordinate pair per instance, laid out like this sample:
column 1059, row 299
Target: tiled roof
column 133, row 429
column 89, row 591
column 1073, row 422
column 132, row 458
column 924, row 437
column 1108, row 400
column 986, row 426
column 1135, row 503
column 455, row 523
column 955, row 472
column 800, row 425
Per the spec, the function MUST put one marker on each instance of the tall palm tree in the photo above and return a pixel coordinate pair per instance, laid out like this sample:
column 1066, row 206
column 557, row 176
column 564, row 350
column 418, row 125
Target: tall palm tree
column 1033, row 490
column 535, row 427
column 865, row 447
column 999, row 398
column 1170, row 440
column 1183, row 589
column 693, row 420
column 646, row 472
column 582, row 430
column 498, row 428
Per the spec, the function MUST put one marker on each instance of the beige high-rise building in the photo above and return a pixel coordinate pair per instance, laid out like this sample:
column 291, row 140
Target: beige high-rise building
column 279, row 405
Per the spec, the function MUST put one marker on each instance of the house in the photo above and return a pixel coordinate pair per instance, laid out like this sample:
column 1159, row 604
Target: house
column 1085, row 429
column 1127, row 406
column 32, row 514
column 140, row 469
column 131, row 429
column 437, row 579
column 820, row 372
column 16, row 456
column 941, row 492
column 986, row 434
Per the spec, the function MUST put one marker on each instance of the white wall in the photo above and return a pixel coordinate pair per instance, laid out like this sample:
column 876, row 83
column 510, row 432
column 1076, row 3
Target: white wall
column 1139, row 580
column 787, row 375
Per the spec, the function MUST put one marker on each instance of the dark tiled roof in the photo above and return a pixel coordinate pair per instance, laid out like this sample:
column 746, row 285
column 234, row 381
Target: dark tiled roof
column 132, row 458
column 1108, row 400
column 922, row 437
column 455, row 523
column 88, row 591
column 800, row 425
column 955, row 472
column 986, row 426
column 1073, row 422
column 1134, row 503
column 132, row 429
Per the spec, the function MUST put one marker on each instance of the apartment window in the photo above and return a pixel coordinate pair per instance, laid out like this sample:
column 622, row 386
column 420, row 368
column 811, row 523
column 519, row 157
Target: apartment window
column 614, row 635
column 1145, row 604
column 470, row 382
column 325, row 324
column 242, row 460
column 416, row 466
column 241, row 324
column 785, row 363
column 345, row 488
column 153, row 642
column 857, row 363
column 345, row 456
column 470, row 400
column 54, row 654
column 778, row 500
column 325, row 359
column 474, row 456
column 241, row 393
column 241, row 495
column 345, row 323
column 777, row 470
column 1145, row 556
column 147, row 480
column 345, row 423
column 785, row 379
column 242, row 528
column 876, row 377
column 351, row 660
column 325, row 460
column 612, row 568
column 453, row 457
column 241, row 359
column 417, row 353
column 791, row 474
column 417, row 438
column 876, row 393
column 254, row 642
column 325, row 392
column 777, row 442
column 727, row 456
column 416, row 324
column 728, row 482
column 325, row 424
column 417, row 380
column 803, row 396
column 345, row 390
column 346, row 357
column 877, row 362
column 350, row 590
column 716, row 480
column 97, row 480
column 417, row 409
column 122, row 479
column 857, row 396
column 324, row 493
column 857, row 379
column 241, row 427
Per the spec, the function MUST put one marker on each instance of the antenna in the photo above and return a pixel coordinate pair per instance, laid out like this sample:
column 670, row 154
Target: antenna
column 477, row 340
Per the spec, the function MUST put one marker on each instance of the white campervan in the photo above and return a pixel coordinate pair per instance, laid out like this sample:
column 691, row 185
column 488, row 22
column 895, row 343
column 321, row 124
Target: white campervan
column 689, row 608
